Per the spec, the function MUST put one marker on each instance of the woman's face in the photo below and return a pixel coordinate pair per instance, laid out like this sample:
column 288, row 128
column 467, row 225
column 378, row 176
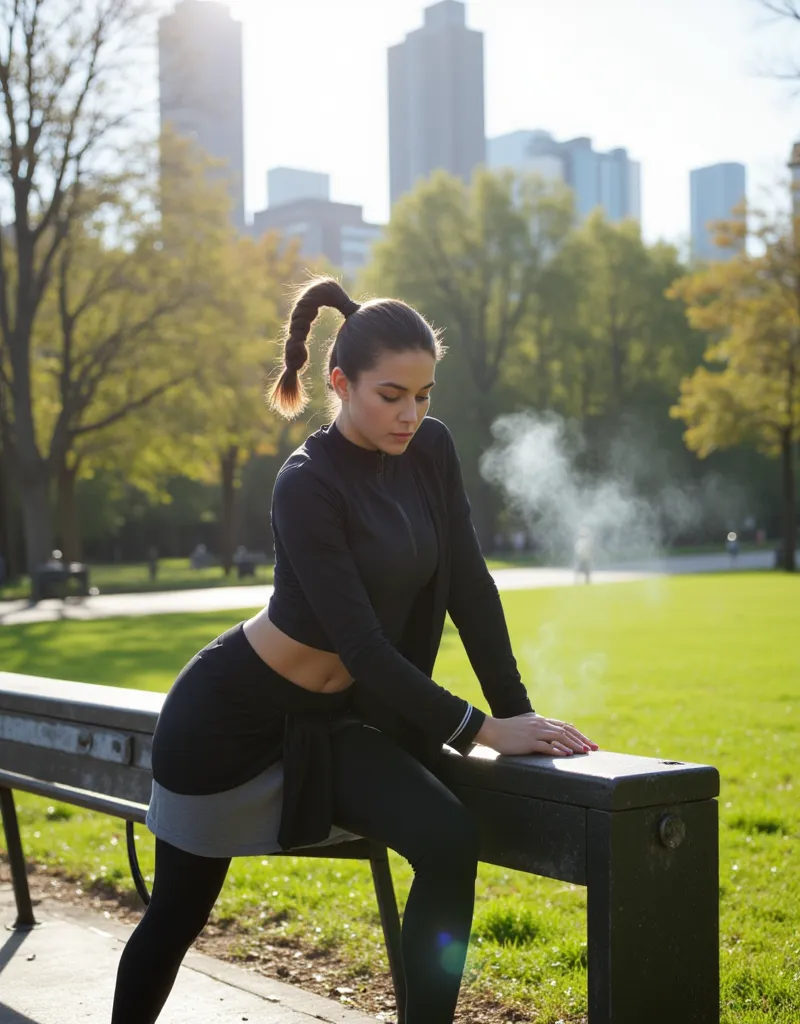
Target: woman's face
column 384, row 408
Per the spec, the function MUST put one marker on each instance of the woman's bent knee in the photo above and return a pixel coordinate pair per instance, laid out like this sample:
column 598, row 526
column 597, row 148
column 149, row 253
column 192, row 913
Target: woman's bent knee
column 451, row 843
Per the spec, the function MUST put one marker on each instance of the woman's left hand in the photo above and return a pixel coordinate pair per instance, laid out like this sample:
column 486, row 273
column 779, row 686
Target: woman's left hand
column 565, row 732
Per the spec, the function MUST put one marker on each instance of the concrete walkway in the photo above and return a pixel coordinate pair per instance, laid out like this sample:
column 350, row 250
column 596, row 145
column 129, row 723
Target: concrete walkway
column 63, row 973
column 214, row 599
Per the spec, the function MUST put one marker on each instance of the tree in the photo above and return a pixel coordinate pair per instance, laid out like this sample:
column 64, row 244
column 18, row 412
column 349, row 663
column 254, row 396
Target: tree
column 474, row 259
column 120, row 324
column 65, row 94
column 618, row 337
column 750, row 391
column 226, row 420
column 185, row 394
column 784, row 10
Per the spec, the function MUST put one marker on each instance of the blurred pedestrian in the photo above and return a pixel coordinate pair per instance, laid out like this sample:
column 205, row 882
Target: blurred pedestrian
column 732, row 546
column 583, row 555
column 152, row 562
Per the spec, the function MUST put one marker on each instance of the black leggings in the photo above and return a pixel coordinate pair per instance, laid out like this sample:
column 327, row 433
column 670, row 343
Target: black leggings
column 380, row 792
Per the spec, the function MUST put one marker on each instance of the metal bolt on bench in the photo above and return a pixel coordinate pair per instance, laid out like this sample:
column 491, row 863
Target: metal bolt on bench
column 640, row 833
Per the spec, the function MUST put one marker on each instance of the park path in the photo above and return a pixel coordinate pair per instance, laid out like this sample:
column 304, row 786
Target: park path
column 216, row 599
column 63, row 973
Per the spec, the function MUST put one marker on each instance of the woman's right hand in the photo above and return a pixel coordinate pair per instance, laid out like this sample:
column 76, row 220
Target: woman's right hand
column 533, row 734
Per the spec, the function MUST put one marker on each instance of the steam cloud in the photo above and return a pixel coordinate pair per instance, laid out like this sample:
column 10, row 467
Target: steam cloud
column 630, row 509
column 534, row 459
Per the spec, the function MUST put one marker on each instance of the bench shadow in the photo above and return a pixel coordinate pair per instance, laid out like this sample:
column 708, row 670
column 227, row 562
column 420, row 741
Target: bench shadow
column 8, row 950
column 9, row 1016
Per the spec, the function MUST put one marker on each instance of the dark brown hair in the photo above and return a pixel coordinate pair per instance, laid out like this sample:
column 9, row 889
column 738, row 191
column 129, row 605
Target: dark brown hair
column 368, row 331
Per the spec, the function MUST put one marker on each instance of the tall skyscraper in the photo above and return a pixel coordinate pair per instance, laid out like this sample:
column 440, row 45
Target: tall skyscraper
column 200, row 79
column 715, row 192
column 436, row 108
column 609, row 180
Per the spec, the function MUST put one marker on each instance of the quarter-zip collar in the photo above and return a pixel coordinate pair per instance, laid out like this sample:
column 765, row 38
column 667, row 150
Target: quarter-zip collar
column 371, row 459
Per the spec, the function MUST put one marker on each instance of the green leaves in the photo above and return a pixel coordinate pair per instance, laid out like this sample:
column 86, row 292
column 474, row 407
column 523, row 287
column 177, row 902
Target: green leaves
column 750, row 388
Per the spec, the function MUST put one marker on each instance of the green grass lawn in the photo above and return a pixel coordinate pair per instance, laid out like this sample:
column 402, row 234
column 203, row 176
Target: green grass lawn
column 703, row 669
column 173, row 574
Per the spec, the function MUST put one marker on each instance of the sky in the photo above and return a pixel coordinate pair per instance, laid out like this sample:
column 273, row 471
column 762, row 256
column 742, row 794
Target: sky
column 679, row 83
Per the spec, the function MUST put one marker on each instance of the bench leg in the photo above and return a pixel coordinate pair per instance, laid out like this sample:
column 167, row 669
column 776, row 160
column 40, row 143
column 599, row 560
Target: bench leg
column 653, row 915
column 19, row 876
column 133, row 860
column 390, row 921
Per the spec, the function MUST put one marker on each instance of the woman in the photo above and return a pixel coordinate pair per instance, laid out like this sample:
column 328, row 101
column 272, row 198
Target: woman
column 317, row 719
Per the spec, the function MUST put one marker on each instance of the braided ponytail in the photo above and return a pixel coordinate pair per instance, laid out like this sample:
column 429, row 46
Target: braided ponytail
column 287, row 396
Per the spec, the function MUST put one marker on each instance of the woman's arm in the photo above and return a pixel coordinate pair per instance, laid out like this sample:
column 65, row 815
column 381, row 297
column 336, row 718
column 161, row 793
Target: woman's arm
column 308, row 521
column 474, row 604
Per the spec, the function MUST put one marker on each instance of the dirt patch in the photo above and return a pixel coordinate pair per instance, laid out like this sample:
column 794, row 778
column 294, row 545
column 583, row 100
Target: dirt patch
column 315, row 970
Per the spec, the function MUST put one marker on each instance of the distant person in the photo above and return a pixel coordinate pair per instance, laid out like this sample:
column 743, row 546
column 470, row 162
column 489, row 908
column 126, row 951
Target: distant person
column 55, row 561
column 317, row 719
column 152, row 563
column 245, row 562
column 583, row 555
column 199, row 557
column 732, row 546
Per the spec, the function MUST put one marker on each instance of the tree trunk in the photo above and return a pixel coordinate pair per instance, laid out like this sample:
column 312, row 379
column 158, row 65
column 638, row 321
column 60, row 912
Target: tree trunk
column 34, row 487
column 69, row 524
column 789, row 503
column 484, row 515
column 228, row 462
column 617, row 371
column 6, row 544
column 483, row 498
column 32, row 472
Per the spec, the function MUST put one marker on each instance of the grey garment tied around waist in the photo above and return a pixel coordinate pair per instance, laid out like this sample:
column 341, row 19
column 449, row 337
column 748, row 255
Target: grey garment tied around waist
column 225, row 692
column 239, row 822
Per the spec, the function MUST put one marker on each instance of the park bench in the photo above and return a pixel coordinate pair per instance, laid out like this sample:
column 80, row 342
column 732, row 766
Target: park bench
column 49, row 581
column 638, row 832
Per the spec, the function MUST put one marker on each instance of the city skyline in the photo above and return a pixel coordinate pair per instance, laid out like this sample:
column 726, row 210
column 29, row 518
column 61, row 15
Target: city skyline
column 696, row 99
column 609, row 180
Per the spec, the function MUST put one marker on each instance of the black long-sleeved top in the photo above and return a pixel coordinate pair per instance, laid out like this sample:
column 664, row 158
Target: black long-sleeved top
column 371, row 551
